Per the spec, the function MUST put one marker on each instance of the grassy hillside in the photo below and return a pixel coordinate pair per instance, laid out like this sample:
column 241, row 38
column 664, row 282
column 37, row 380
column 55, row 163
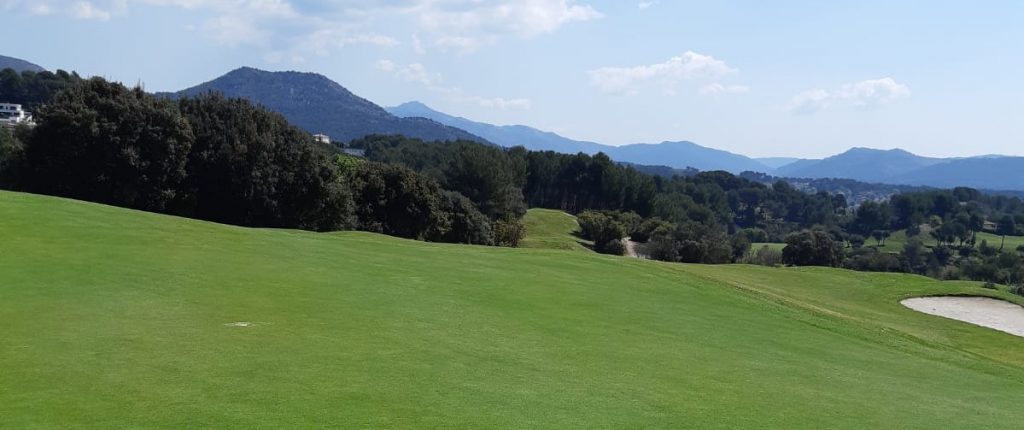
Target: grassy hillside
column 115, row 318
column 1012, row 242
column 898, row 240
column 551, row 229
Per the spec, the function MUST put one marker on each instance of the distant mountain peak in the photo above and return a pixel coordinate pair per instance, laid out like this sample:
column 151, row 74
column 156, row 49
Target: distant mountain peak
column 19, row 65
column 317, row 104
column 415, row 104
column 866, row 150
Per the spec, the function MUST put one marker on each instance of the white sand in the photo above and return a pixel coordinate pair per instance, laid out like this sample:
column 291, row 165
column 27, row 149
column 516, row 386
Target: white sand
column 992, row 313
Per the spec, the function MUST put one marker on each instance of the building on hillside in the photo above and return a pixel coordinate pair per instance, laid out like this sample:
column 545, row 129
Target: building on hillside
column 12, row 114
column 322, row 138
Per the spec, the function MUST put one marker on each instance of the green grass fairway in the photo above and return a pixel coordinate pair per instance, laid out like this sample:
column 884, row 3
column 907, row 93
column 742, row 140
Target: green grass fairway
column 1012, row 242
column 896, row 242
column 776, row 246
column 112, row 318
column 551, row 229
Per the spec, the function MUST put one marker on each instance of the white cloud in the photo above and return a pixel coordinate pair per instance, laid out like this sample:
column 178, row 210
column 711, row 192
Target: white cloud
column 863, row 94
column 80, row 9
column 501, row 103
column 323, row 40
column 289, row 28
column 233, row 31
column 277, row 26
column 646, row 4
column 385, row 66
column 811, row 101
column 461, row 44
column 717, row 88
column 417, row 44
column 874, row 92
column 522, row 17
column 40, row 9
column 418, row 73
column 465, row 26
column 690, row 65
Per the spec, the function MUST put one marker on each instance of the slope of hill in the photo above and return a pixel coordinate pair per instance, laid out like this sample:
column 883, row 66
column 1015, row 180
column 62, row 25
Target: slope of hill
column 776, row 162
column 319, row 105
column 117, row 318
column 506, row 135
column 899, row 167
column 551, row 229
column 679, row 155
column 862, row 164
column 989, row 173
column 18, row 65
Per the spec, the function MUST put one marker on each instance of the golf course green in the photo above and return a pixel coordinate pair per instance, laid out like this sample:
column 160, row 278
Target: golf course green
column 113, row 318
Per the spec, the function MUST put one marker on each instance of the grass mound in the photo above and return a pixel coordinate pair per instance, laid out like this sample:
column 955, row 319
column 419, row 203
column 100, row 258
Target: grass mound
column 551, row 229
column 116, row 318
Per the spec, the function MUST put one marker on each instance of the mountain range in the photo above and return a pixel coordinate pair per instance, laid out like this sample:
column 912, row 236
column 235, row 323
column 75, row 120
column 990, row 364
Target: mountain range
column 896, row 166
column 319, row 105
column 677, row 155
column 18, row 65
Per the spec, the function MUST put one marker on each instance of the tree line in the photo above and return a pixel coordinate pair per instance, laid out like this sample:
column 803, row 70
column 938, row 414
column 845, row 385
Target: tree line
column 715, row 217
column 33, row 89
column 229, row 161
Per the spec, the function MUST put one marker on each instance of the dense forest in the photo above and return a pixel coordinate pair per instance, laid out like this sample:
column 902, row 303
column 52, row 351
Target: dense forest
column 227, row 160
column 33, row 89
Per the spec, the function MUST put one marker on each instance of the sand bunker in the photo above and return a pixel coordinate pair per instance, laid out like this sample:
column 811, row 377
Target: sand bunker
column 992, row 313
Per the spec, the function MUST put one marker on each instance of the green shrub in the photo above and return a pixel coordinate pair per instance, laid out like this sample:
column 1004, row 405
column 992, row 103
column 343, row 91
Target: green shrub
column 509, row 232
column 812, row 248
column 605, row 229
column 647, row 228
column 614, row 247
column 765, row 256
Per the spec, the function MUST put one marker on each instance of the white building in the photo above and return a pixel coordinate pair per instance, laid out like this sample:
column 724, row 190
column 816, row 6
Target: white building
column 322, row 138
column 12, row 114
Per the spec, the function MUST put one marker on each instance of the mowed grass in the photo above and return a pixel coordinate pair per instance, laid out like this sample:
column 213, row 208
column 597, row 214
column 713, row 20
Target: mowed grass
column 551, row 229
column 898, row 240
column 994, row 240
column 117, row 319
column 758, row 245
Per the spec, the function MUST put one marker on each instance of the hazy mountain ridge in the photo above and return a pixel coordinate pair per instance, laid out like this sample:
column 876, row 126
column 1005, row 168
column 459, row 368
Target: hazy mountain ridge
column 863, row 164
column 897, row 166
column 986, row 172
column 319, row 105
column 676, row 155
column 776, row 162
column 19, row 65
column 504, row 135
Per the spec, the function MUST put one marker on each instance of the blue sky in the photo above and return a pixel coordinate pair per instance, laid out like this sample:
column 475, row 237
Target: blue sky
column 760, row 78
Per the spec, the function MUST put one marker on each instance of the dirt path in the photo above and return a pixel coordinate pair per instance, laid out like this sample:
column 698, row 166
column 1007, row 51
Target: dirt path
column 631, row 248
column 992, row 313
